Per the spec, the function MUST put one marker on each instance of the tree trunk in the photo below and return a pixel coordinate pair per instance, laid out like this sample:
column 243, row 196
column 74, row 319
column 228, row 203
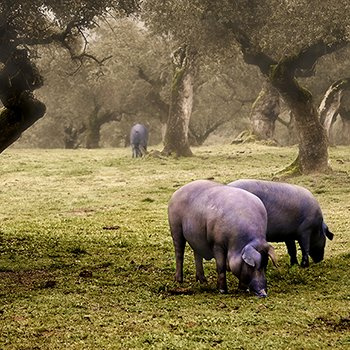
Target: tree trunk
column 313, row 151
column 93, row 132
column 265, row 111
column 98, row 117
column 292, row 133
column 330, row 104
column 19, row 77
column 290, row 125
column 71, row 136
column 176, row 135
column 313, row 145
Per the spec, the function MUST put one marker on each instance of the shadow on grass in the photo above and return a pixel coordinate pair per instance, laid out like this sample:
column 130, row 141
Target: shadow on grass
column 324, row 276
column 321, row 277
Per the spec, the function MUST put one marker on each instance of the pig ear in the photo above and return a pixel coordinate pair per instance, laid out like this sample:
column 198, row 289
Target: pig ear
column 271, row 253
column 329, row 235
column 251, row 256
column 326, row 231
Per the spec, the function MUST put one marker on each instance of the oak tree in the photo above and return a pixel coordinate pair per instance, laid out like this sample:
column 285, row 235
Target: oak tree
column 25, row 24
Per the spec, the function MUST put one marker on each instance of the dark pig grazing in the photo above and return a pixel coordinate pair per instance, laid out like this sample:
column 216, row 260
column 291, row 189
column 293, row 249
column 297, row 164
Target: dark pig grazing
column 224, row 223
column 138, row 140
column 293, row 213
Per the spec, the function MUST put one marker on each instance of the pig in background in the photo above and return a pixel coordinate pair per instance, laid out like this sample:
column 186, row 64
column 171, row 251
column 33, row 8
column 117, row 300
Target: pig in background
column 138, row 140
column 293, row 213
column 223, row 223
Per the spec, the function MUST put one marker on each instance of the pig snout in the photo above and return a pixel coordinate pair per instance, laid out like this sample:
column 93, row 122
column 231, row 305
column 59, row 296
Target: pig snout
column 261, row 293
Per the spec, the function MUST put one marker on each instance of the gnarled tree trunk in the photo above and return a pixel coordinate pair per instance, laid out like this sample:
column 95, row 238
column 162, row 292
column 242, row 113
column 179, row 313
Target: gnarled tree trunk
column 97, row 118
column 331, row 104
column 19, row 77
column 93, row 132
column 313, row 143
column 265, row 111
column 71, row 138
column 176, row 135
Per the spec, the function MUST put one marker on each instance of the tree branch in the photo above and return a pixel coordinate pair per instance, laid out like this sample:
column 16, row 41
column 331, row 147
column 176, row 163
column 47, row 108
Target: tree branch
column 306, row 60
column 251, row 54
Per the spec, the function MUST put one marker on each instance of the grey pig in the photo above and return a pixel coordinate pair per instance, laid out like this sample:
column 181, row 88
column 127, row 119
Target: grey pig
column 138, row 140
column 224, row 223
column 293, row 213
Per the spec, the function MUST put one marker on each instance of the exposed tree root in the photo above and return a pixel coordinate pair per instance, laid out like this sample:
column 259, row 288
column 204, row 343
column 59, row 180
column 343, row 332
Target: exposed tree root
column 291, row 170
column 245, row 136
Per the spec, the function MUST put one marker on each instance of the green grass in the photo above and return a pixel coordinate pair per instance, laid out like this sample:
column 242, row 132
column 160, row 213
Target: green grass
column 87, row 261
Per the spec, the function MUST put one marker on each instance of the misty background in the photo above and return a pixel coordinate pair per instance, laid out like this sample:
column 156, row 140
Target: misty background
column 94, row 105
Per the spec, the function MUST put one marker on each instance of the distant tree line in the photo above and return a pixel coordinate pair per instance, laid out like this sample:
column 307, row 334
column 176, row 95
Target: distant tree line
column 186, row 68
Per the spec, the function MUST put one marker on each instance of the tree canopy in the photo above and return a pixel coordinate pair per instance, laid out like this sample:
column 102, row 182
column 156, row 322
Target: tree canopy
column 284, row 39
column 24, row 24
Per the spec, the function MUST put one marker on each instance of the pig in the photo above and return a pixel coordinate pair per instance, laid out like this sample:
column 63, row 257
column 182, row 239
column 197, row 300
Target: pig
column 138, row 140
column 223, row 223
column 293, row 213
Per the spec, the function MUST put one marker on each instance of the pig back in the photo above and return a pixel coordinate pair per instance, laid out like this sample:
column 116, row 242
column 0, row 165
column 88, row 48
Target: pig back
column 289, row 207
column 139, row 135
column 211, row 213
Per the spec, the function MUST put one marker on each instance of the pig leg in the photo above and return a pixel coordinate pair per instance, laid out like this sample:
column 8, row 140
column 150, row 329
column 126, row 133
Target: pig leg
column 179, row 244
column 292, row 251
column 221, row 258
column 199, row 268
column 143, row 151
column 304, row 243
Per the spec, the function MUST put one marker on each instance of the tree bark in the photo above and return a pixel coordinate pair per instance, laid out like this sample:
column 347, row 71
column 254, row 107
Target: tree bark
column 313, row 143
column 176, row 135
column 331, row 103
column 19, row 77
column 265, row 111
column 93, row 132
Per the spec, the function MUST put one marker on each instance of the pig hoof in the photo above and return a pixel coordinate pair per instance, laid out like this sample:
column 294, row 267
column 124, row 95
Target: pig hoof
column 304, row 264
column 201, row 280
column 223, row 291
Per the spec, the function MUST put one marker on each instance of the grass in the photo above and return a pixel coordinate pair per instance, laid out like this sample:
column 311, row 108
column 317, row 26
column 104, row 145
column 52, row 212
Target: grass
column 87, row 261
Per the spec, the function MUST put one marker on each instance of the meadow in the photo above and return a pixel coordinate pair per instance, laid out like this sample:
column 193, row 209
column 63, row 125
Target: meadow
column 87, row 261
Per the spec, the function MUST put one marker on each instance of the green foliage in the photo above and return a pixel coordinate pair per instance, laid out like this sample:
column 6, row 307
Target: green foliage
column 77, row 95
column 87, row 261
column 35, row 21
column 275, row 28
